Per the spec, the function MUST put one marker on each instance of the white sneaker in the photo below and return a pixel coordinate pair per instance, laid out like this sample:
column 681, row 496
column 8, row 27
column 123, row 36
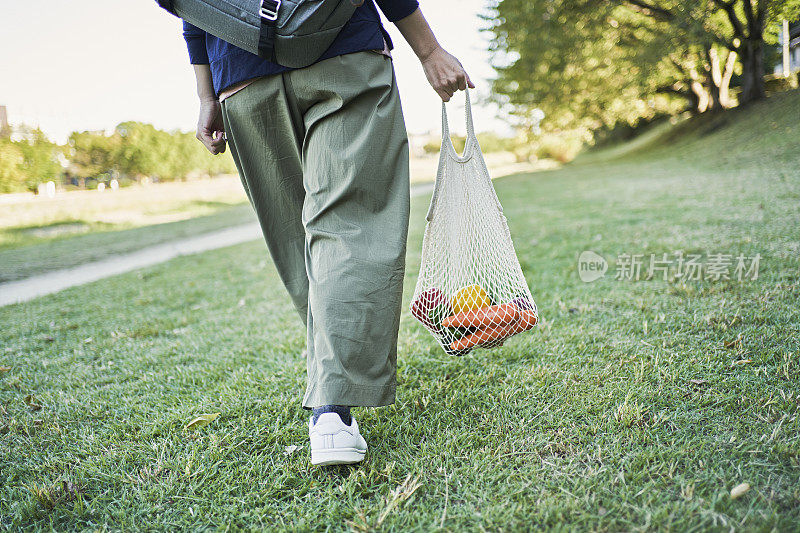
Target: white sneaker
column 335, row 443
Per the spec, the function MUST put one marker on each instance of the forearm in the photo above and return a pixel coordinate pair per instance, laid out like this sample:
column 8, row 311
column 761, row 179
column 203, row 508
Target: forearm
column 418, row 34
column 198, row 56
column 205, row 86
column 444, row 72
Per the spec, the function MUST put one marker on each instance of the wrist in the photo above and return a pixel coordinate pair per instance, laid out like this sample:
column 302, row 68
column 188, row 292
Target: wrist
column 427, row 53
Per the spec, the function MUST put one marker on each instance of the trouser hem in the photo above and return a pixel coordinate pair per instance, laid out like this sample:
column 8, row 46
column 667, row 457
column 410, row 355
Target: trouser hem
column 349, row 394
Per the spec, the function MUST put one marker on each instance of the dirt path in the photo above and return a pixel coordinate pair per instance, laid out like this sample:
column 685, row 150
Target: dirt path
column 35, row 286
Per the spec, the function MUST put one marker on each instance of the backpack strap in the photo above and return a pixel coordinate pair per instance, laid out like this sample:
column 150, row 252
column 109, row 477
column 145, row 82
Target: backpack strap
column 269, row 18
column 168, row 5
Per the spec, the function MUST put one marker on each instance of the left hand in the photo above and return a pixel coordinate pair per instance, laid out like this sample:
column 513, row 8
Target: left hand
column 210, row 128
column 445, row 74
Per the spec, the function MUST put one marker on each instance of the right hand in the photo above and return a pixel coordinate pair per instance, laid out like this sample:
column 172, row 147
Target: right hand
column 445, row 74
column 210, row 129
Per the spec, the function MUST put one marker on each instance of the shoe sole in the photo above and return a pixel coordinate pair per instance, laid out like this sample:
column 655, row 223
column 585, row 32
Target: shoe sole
column 342, row 456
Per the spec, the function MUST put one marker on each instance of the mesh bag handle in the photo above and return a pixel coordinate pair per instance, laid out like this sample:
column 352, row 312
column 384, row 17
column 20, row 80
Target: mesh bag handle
column 471, row 149
column 446, row 141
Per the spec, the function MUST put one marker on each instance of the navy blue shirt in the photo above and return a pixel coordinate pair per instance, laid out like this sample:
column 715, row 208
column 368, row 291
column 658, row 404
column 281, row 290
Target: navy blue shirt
column 231, row 65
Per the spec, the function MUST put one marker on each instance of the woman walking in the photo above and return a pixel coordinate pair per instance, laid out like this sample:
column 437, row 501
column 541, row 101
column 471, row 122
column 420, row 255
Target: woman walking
column 322, row 153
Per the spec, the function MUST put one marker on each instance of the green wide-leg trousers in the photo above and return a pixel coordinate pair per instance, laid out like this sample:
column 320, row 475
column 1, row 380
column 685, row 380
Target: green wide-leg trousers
column 323, row 156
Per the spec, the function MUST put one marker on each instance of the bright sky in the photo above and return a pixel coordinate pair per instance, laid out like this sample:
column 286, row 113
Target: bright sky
column 91, row 64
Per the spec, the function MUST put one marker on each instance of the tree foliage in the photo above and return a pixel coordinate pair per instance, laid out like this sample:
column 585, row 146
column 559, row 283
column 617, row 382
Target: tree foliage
column 595, row 63
column 134, row 150
column 11, row 176
column 27, row 162
column 91, row 153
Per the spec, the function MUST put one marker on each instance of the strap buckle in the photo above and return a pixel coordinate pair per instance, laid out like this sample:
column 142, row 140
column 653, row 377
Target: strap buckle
column 270, row 13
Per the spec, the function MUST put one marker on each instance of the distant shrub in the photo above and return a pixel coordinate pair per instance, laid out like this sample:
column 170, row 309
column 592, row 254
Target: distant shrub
column 12, row 177
column 26, row 163
column 136, row 150
column 562, row 148
column 777, row 83
column 490, row 142
column 433, row 146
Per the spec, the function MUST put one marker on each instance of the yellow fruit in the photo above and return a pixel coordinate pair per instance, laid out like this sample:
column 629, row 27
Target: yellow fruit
column 470, row 298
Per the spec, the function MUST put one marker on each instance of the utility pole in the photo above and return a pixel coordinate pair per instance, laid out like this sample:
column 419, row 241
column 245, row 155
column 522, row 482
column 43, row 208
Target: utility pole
column 5, row 129
column 785, row 48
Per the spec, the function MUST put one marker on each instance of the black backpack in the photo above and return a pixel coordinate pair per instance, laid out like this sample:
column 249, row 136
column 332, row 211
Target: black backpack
column 292, row 33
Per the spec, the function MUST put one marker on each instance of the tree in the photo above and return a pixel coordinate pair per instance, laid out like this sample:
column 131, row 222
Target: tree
column 749, row 26
column 585, row 63
column 39, row 159
column 593, row 63
column 92, row 153
column 147, row 151
column 11, row 176
column 143, row 150
column 134, row 150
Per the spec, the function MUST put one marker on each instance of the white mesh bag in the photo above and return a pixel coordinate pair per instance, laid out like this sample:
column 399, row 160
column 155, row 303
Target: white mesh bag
column 470, row 292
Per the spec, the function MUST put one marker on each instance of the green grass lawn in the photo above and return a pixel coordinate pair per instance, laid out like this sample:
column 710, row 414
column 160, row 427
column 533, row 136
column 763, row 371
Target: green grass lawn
column 28, row 220
column 70, row 251
column 634, row 405
column 38, row 235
